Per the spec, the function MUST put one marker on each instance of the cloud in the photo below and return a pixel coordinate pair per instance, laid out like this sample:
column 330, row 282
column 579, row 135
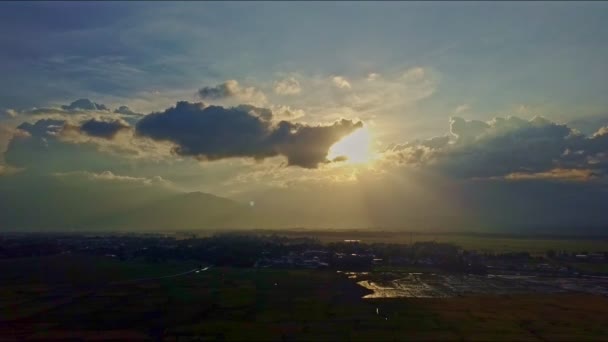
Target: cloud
column 79, row 110
column 467, row 129
column 125, row 111
column 372, row 76
column 603, row 131
column 341, row 82
column 505, row 145
column 103, row 129
column 7, row 134
column 84, row 104
column 287, row 86
column 227, row 89
column 286, row 113
column 509, row 148
column 109, row 176
column 573, row 175
column 415, row 74
column 34, row 145
column 215, row 132
column 58, row 144
column 8, row 113
column 589, row 124
column 372, row 94
column 461, row 109
column 432, row 143
column 43, row 127
column 231, row 89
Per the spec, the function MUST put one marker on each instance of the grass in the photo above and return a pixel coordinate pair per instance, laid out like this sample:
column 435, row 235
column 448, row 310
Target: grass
column 253, row 304
column 548, row 317
column 590, row 267
column 496, row 243
column 81, row 270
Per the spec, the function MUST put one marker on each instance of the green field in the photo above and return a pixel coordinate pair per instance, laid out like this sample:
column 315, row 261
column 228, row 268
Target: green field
column 495, row 243
column 245, row 304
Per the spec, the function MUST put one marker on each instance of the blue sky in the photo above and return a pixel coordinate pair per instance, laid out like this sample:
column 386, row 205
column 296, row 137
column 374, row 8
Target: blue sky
column 492, row 56
column 402, row 69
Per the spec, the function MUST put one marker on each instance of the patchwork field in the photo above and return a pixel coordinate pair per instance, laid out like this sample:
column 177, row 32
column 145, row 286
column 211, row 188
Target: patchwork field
column 90, row 298
column 496, row 243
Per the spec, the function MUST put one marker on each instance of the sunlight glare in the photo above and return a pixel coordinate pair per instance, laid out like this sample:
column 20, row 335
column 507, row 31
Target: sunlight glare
column 356, row 147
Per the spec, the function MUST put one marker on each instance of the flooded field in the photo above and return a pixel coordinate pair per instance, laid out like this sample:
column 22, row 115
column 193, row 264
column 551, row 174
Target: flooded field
column 430, row 285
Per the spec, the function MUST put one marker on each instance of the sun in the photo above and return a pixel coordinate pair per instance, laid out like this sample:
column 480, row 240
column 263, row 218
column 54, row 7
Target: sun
column 355, row 147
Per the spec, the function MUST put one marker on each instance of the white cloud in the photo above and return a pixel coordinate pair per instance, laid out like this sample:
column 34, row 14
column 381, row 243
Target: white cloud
column 383, row 94
column 387, row 94
column 415, row 74
column 287, row 86
column 372, row 76
column 523, row 109
column 124, row 143
column 600, row 132
column 6, row 134
column 281, row 112
column 462, row 108
column 9, row 113
column 109, row 176
column 341, row 82
column 232, row 93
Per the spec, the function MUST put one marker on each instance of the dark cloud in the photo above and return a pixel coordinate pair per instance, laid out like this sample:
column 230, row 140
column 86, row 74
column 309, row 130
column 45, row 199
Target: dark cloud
column 264, row 113
column 47, row 128
column 103, row 129
column 125, row 111
column 589, row 125
column 84, row 104
column 76, row 107
column 7, row 113
column 510, row 147
column 220, row 91
column 598, row 142
column 128, row 115
column 436, row 142
column 214, row 132
column 466, row 129
column 432, row 143
column 43, row 128
column 47, row 147
column 307, row 146
column 39, row 148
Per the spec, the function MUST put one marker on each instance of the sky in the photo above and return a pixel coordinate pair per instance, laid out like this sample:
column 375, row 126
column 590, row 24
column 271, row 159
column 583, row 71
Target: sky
column 413, row 115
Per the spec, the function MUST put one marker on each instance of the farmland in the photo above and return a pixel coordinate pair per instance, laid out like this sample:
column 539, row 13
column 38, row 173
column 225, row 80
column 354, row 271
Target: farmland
column 73, row 297
column 495, row 243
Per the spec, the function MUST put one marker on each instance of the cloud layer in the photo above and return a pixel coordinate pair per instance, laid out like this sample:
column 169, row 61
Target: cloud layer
column 84, row 104
column 512, row 148
column 214, row 132
column 103, row 129
column 507, row 172
column 287, row 86
column 232, row 90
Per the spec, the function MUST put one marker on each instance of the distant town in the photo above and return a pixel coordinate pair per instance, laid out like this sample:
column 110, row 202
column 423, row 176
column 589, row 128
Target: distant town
column 275, row 251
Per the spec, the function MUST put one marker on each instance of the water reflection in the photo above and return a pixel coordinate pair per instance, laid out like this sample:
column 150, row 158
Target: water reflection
column 430, row 285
